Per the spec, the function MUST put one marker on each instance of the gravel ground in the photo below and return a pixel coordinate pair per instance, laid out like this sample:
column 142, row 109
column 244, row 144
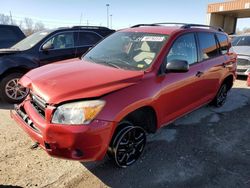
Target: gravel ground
column 207, row 148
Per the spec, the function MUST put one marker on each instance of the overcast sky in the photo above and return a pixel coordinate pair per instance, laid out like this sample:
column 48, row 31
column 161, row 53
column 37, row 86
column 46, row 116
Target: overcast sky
column 125, row 13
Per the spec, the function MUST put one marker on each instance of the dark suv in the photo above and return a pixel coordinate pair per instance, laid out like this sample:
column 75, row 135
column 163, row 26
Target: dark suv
column 40, row 49
column 10, row 35
column 133, row 82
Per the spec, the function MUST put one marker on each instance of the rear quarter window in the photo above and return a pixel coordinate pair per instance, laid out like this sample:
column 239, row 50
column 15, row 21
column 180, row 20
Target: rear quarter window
column 208, row 45
column 224, row 44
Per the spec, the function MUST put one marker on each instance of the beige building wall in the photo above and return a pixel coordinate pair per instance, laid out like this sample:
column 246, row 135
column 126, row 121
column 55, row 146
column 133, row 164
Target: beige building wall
column 225, row 14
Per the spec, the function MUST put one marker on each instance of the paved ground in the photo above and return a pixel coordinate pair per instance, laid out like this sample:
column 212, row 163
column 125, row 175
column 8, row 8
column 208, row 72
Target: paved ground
column 207, row 148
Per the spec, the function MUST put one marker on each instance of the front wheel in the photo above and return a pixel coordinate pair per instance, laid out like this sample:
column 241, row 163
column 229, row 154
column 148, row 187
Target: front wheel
column 11, row 91
column 221, row 96
column 128, row 145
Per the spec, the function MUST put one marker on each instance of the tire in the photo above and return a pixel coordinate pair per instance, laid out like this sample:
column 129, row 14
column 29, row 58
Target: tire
column 221, row 96
column 10, row 90
column 127, row 145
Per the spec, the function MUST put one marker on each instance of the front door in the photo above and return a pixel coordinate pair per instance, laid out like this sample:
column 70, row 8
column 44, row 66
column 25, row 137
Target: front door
column 182, row 92
column 62, row 46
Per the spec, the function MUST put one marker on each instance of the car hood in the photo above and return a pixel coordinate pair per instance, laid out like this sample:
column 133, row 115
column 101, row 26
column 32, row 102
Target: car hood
column 8, row 51
column 77, row 79
column 242, row 50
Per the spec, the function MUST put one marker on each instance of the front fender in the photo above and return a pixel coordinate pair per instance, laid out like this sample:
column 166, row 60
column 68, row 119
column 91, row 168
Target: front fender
column 17, row 62
column 121, row 103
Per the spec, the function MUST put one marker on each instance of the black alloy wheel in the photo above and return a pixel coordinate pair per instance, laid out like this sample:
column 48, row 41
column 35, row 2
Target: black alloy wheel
column 221, row 96
column 128, row 145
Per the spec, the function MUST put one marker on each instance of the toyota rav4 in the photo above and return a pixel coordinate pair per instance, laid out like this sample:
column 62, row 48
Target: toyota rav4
column 129, row 85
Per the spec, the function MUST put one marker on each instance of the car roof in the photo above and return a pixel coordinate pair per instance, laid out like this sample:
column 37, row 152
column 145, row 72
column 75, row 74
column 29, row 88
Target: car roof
column 168, row 30
column 85, row 28
column 153, row 29
column 6, row 25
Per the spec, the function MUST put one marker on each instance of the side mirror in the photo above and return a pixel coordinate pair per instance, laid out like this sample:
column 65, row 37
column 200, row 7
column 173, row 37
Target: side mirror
column 47, row 46
column 177, row 66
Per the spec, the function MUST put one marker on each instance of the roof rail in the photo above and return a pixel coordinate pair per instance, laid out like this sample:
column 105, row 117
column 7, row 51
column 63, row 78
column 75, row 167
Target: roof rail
column 90, row 27
column 141, row 25
column 183, row 25
column 170, row 23
column 158, row 24
column 186, row 26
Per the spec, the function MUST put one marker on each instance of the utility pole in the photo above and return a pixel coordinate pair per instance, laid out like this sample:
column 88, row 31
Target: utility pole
column 81, row 19
column 111, row 21
column 11, row 18
column 107, row 15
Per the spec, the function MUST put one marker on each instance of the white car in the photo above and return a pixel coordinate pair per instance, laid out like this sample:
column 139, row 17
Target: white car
column 241, row 46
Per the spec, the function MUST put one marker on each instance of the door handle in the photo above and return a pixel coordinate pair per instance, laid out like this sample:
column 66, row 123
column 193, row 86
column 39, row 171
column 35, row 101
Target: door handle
column 199, row 74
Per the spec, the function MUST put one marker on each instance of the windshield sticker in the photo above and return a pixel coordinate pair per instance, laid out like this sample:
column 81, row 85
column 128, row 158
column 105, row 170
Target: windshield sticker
column 140, row 65
column 153, row 38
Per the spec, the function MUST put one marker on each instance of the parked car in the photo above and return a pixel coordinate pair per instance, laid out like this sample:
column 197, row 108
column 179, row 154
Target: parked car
column 130, row 84
column 40, row 49
column 10, row 35
column 241, row 46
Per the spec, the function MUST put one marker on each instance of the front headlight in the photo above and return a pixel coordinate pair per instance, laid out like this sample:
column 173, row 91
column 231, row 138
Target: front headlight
column 77, row 113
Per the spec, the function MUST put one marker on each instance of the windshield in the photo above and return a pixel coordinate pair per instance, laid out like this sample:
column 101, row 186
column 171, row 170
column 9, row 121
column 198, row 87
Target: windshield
column 31, row 40
column 241, row 41
column 127, row 50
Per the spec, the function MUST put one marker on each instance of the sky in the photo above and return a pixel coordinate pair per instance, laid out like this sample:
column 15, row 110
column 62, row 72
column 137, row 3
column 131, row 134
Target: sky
column 60, row 13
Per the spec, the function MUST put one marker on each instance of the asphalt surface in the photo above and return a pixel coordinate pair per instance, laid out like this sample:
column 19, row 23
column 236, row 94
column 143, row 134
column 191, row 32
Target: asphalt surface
column 210, row 147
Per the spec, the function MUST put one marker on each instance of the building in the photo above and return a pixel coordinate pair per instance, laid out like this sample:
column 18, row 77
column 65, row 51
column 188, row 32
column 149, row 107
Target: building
column 225, row 14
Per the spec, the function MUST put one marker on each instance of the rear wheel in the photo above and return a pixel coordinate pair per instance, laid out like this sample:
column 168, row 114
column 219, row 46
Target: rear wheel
column 127, row 145
column 221, row 96
column 11, row 91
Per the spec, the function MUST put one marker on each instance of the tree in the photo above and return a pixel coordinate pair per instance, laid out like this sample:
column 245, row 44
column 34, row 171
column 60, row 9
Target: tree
column 28, row 26
column 39, row 26
column 5, row 19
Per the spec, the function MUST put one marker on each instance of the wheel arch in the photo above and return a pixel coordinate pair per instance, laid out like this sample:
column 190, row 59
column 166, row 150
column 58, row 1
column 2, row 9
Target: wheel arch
column 14, row 70
column 143, row 116
column 229, row 81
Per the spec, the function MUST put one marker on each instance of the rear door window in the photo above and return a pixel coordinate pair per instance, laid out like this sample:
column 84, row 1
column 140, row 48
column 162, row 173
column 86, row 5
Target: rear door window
column 223, row 40
column 184, row 48
column 209, row 48
column 87, row 39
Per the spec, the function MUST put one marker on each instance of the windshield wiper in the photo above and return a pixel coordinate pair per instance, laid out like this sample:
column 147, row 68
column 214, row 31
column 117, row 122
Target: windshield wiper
column 103, row 62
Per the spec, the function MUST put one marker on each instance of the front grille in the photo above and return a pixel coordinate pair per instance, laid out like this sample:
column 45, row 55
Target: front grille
column 243, row 62
column 39, row 104
column 21, row 112
column 241, row 70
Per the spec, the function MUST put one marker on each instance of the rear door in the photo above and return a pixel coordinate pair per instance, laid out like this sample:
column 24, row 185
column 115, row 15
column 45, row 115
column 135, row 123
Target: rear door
column 86, row 40
column 213, row 59
column 182, row 92
column 62, row 47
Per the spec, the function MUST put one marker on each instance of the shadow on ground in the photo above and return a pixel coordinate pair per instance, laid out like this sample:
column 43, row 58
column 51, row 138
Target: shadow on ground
column 6, row 106
column 240, row 77
column 210, row 153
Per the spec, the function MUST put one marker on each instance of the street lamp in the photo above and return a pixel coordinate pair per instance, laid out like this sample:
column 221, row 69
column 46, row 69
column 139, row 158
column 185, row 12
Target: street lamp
column 111, row 21
column 107, row 15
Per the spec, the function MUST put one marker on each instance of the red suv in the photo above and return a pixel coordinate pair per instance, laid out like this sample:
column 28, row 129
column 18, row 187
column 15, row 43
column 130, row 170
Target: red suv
column 132, row 83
